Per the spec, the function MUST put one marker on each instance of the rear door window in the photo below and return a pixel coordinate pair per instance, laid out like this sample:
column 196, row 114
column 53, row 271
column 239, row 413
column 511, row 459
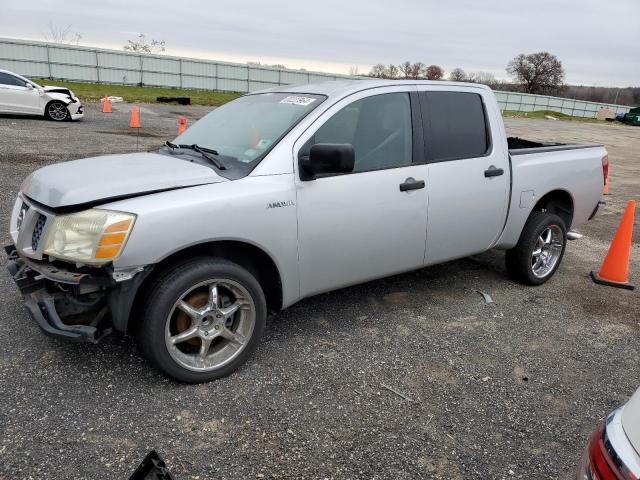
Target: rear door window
column 455, row 126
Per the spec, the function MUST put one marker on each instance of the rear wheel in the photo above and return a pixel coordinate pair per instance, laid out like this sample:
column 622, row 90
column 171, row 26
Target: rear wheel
column 202, row 320
column 539, row 251
column 57, row 111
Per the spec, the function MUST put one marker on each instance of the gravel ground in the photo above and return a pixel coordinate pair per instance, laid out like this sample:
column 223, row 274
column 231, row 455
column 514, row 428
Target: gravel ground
column 413, row 376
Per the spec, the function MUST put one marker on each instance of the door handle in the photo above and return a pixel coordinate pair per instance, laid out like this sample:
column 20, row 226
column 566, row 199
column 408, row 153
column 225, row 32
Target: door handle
column 411, row 184
column 492, row 171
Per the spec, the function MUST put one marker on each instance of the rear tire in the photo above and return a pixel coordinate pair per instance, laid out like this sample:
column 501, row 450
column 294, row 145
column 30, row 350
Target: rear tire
column 202, row 319
column 539, row 251
column 57, row 111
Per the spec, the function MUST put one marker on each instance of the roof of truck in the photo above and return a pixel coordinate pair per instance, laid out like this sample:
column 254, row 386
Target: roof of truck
column 346, row 87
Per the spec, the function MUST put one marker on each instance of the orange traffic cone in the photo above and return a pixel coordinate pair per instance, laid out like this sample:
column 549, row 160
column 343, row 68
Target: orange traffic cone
column 182, row 124
column 615, row 268
column 106, row 105
column 135, row 121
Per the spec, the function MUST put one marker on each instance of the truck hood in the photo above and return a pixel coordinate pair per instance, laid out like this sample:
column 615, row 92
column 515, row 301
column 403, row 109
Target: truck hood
column 110, row 177
column 631, row 420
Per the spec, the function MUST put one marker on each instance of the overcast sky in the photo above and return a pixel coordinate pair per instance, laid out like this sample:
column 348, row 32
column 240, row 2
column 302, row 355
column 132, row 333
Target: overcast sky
column 598, row 41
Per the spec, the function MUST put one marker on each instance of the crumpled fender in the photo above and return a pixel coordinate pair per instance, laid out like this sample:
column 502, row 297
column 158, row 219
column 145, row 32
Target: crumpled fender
column 57, row 93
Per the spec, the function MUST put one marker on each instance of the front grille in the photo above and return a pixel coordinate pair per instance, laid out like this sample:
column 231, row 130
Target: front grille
column 37, row 231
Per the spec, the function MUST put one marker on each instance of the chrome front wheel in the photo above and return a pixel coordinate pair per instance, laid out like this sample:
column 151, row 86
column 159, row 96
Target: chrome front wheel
column 210, row 324
column 201, row 319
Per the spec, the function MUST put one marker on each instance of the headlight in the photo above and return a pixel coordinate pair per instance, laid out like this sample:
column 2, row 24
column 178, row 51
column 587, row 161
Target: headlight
column 92, row 237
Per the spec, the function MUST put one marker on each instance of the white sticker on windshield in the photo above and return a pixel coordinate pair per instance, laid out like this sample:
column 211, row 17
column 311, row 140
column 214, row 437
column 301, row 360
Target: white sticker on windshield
column 263, row 143
column 296, row 100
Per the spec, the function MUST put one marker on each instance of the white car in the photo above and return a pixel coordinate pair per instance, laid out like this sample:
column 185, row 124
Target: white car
column 19, row 95
column 614, row 449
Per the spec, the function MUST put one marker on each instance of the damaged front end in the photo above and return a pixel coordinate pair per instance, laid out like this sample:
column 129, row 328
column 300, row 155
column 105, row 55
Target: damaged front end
column 62, row 262
column 77, row 304
column 74, row 106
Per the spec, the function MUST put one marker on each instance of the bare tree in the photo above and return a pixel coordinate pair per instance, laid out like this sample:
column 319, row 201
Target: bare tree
column 377, row 71
column 485, row 78
column 391, row 71
column 417, row 70
column 410, row 70
column 457, row 75
column 354, row 70
column 539, row 72
column 254, row 63
column 405, row 69
column 434, row 72
column 57, row 34
column 142, row 45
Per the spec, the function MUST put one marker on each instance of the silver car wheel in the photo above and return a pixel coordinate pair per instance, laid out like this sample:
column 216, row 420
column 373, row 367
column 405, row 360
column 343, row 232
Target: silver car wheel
column 210, row 324
column 57, row 111
column 547, row 251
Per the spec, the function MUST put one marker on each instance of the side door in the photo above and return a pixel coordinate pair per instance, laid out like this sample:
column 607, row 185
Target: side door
column 17, row 97
column 371, row 222
column 468, row 173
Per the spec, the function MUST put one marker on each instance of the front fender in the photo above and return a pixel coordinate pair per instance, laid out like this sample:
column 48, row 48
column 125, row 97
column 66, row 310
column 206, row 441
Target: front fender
column 63, row 97
column 238, row 210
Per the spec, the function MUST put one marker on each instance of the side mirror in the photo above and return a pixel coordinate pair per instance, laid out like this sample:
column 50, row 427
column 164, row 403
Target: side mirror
column 29, row 86
column 327, row 158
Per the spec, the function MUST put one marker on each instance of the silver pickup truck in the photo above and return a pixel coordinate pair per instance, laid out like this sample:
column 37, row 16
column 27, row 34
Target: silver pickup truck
column 284, row 194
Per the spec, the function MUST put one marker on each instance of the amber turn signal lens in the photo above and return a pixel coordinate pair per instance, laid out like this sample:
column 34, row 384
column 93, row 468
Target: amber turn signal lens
column 112, row 239
column 121, row 226
column 108, row 252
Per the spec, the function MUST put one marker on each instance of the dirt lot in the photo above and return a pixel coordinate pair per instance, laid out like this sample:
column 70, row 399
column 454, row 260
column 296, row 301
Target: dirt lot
column 504, row 390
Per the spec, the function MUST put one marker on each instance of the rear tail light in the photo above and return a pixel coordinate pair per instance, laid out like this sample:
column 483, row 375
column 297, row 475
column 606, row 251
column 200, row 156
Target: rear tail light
column 605, row 169
column 601, row 462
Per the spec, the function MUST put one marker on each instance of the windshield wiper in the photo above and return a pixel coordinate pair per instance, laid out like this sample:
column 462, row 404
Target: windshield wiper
column 207, row 153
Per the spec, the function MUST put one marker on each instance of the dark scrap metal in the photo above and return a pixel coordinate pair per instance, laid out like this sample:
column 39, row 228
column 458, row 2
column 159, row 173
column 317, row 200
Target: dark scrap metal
column 152, row 468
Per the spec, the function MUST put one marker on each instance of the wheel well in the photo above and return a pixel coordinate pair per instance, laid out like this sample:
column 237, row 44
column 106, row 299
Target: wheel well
column 254, row 259
column 558, row 202
column 46, row 107
column 55, row 100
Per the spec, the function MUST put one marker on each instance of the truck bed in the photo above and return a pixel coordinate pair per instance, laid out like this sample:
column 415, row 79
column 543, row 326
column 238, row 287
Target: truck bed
column 521, row 146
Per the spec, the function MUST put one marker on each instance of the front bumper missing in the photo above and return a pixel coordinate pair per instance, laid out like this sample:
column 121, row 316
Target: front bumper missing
column 44, row 312
column 46, row 288
column 76, row 110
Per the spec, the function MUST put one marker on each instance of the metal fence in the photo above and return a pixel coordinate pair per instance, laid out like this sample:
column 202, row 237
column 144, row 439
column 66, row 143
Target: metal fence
column 85, row 64
column 526, row 102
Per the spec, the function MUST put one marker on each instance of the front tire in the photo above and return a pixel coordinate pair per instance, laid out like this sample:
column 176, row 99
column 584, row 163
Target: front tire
column 57, row 111
column 202, row 319
column 539, row 251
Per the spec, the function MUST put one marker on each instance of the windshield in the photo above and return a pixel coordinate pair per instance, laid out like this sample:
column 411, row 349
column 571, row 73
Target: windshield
column 243, row 131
